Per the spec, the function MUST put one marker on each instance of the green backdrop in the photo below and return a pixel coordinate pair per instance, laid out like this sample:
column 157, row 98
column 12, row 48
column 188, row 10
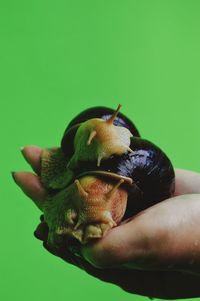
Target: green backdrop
column 60, row 57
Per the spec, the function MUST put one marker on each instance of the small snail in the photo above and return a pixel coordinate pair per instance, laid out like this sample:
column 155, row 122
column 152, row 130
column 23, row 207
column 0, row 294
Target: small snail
column 67, row 143
column 102, row 173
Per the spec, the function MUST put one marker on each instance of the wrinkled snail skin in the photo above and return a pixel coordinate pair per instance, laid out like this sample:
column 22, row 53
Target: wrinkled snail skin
column 102, row 174
column 97, row 139
column 85, row 210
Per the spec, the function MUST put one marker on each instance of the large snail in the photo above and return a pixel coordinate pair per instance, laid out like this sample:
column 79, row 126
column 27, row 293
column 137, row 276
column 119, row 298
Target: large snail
column 102, row 173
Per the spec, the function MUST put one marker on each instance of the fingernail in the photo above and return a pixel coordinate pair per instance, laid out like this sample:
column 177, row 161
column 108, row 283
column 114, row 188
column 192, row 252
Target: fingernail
column 37, row 235
column 41, row 232
column 13, row 176
column 21, row 148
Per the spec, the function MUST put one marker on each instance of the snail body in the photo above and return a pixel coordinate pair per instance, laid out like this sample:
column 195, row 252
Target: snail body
column 98, row 139
column 84, row 210
column 104, row 113
column 106, row 175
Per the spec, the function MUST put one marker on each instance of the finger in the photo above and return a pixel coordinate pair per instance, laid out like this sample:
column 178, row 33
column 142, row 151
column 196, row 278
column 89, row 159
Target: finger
column 42, row 218
column 132, row 241
column 65, row 254
column 32, row 155
column 41, row 232
column 116, row 247
column 153, row 284
column 187, row 182
column 158, row 284
column 31, row 186
column 145, row 241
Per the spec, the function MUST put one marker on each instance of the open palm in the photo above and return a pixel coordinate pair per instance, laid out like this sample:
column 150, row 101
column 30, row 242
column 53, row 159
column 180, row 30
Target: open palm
column 155, row 253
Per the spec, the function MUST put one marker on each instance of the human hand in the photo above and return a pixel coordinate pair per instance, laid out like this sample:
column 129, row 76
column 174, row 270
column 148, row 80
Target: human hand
column 154, row 253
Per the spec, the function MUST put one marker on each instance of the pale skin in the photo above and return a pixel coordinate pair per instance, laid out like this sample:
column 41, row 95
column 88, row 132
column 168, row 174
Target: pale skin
column 155, row 253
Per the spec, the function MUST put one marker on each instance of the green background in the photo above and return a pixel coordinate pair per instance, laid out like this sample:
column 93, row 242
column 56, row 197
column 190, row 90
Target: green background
column 60, row 57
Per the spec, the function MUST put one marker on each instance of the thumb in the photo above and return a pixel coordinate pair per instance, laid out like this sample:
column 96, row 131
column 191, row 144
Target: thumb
column 162, row 237
column 122, row 244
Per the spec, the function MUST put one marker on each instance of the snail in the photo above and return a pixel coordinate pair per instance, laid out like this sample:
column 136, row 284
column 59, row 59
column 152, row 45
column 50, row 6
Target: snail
column 102, row 173
column 67, row 143
column 55, row 173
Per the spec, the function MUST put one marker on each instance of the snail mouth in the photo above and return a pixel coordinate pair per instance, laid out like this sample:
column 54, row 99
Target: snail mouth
column 107, row 174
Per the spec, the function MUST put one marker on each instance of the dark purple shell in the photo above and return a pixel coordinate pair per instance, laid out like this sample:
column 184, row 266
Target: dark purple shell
column 149, row 168
column 95, row 112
